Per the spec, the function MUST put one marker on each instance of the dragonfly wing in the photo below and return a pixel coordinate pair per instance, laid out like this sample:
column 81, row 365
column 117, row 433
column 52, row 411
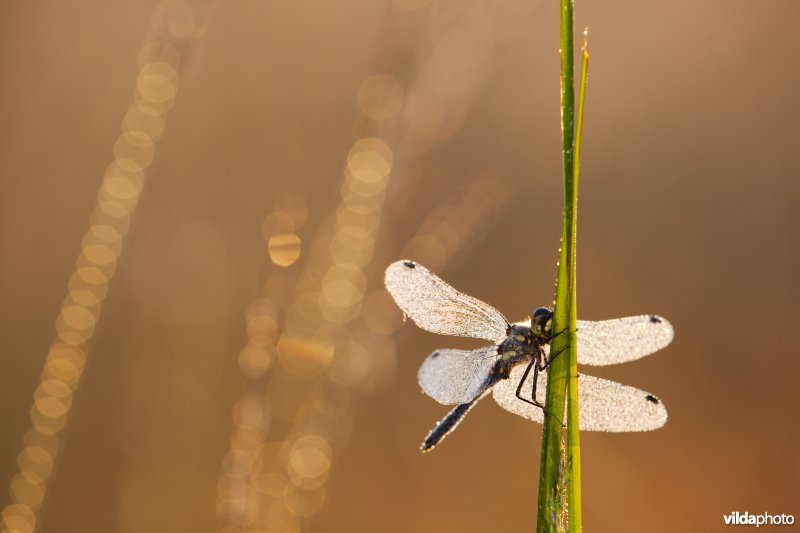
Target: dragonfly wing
column 609, row 342
column 604, row 405
column 457, row 376
column 437, row 307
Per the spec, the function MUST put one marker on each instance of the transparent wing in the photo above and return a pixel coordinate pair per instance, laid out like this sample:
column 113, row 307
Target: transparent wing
column 457, row 376
column 437, row 307
column 604, row 405
column 610, row 342
column 620, row 340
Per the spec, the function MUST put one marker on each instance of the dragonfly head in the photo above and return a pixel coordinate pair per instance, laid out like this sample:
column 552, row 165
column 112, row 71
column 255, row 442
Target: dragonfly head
column 542, row 323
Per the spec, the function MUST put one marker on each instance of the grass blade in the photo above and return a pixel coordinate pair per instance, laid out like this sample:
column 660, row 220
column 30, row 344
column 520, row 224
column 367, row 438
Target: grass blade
column 552, row 505
column 573, row 427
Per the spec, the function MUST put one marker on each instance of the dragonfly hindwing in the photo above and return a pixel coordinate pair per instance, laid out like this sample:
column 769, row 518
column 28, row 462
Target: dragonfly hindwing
column 604, row 405
column 457, row 376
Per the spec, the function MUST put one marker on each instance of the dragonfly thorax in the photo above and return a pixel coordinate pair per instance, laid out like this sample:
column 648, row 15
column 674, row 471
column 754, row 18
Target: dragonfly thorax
column 520, row 345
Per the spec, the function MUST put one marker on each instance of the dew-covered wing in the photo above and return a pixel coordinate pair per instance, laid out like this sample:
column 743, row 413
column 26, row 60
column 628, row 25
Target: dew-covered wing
column 437, row 307
column 604, row 405
column 457, row 376
column 609, row 342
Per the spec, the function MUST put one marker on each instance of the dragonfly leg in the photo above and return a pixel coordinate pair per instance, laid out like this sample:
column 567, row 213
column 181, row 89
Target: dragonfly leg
column 538, row 365
column 559, row 333
column 533, row 401
column 542, row 357
column 548, row 360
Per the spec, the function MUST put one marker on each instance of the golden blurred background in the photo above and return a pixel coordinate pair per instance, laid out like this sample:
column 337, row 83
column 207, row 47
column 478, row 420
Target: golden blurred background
column 198, row 200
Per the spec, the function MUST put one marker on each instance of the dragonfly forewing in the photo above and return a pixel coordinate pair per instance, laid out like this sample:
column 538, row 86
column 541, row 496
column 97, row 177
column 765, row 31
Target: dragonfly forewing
column 457, row 376
column 604, row 405
column 620, row 340
column 610, row 342
column 439, row 308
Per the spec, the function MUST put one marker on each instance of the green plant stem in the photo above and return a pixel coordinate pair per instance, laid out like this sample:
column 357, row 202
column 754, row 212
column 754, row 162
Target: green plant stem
column 573, row 421
column 551, row 503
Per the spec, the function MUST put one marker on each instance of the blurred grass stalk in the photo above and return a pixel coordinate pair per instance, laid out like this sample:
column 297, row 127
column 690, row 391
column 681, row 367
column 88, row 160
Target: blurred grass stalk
column 560, row 472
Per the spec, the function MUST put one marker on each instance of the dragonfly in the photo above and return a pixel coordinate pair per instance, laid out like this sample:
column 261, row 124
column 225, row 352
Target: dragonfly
column 514, row 367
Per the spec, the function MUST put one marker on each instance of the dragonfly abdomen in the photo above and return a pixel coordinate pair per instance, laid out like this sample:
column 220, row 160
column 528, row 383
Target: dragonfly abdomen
column 446, row 425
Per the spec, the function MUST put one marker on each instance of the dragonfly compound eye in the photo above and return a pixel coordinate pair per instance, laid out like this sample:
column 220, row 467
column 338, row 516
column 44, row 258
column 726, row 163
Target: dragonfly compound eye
column 542, row 321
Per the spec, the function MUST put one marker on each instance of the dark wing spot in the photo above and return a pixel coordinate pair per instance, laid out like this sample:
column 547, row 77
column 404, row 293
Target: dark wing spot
column 651, row 398
column 410, row 264
column 655, row 320
column 435, row 354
